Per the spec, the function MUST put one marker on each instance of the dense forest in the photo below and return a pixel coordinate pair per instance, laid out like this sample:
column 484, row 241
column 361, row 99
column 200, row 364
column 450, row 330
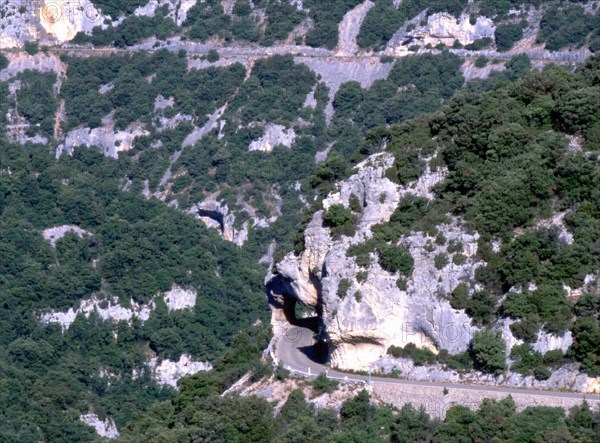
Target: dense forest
column 137, row 249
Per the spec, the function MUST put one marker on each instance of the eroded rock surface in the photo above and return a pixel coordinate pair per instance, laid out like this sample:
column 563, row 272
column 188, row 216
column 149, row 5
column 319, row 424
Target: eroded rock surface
column 169, row 372
column 53, row 235
column 274, row 135
column 361, row 327
column 106, row 428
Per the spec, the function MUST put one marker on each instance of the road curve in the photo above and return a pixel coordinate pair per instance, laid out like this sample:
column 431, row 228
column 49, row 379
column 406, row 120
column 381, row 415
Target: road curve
column 293, row 350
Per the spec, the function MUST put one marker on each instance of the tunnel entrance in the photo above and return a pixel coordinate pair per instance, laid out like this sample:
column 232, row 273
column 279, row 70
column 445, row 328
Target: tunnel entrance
column 301, row 315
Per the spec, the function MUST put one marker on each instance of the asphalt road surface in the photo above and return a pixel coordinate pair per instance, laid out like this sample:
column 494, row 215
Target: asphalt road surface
column 295, row 354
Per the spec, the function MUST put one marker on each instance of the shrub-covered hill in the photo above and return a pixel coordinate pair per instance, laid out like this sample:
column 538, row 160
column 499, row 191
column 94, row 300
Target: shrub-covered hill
column 136, row 249
column 523, row 171
column 316, row 23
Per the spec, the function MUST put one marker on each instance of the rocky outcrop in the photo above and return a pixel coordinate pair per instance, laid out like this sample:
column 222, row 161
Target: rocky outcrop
column 274, row 135
column 110, row 308
column 105, row 137
column 336, row 71
column 215, row 214
column 169, row 372
column 21, row 61
column 440, row 28
column 277, row 392
column 106, row 428
column 360, row 328
column 53, row 235
column 178, row 298
column 46, row 21
column 565, row 378
column 349, row 28
column 107, row 309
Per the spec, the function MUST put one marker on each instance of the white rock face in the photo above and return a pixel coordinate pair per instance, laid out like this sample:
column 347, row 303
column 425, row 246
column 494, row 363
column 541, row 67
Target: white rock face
column 274, row 135
column 549, row 342
column 63, row 20
column 46, row 21
column 106, row 428
column 349, row 27
column 179, row 298
column 440, row 28
column 108, row 309
column 169, row 372
column 216, row 215
column 177, row 10
column 198, row 133
column 360, row 329
column 53, row 235
column 104, row 137
column 39, row 62
column 564, row 378
column 545, row 341
column 336, row 71
column 470, row 71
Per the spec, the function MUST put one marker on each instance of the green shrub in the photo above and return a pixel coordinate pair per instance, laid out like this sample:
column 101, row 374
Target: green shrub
column 440, row 261
column 3, row 61
column 324, row 385
column 343, row 287
column 393, row 258
column 355, row 205
column 460, row 362
column 481, row 62
column 361, row 276
column 358, row 296
column 337, row 215
column 420, row 356
column 31, row 48
column 488, row 349
column 459, row 259
column 507, row 35
column 542, row 373
column 479, row 44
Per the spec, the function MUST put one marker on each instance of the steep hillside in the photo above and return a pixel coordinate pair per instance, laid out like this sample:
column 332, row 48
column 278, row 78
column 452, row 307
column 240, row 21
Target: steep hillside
column 158, row 159
column 473, row 226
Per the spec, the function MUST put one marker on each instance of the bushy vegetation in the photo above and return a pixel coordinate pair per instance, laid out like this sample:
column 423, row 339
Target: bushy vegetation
column 393, row 258
column 507, row 169
column 248, row 419
column 530, row 362
column 569, row 26
column 326, row 14
column 341, row 220
column 131, row 95
column 132, row 30
column 508, row 34
column 488, row 351
column 35, row 101
column 137, row 249
column 115, row 8
column 3, row 61
column 420, row 356
column 324, row 385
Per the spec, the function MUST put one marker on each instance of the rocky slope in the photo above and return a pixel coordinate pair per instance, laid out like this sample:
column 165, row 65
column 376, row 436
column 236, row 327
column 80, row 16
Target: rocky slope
column 375, row 312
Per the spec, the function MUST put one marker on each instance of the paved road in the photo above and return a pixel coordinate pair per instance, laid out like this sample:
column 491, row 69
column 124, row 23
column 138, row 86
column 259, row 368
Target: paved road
column 293, row 351
column 255, row 51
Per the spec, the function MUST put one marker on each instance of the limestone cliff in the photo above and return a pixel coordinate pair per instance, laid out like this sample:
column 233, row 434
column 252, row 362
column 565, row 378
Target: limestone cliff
column 360, row 328
column 360, row 310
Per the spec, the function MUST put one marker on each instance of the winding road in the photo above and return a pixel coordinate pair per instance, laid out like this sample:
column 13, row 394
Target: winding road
column 294, row 351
